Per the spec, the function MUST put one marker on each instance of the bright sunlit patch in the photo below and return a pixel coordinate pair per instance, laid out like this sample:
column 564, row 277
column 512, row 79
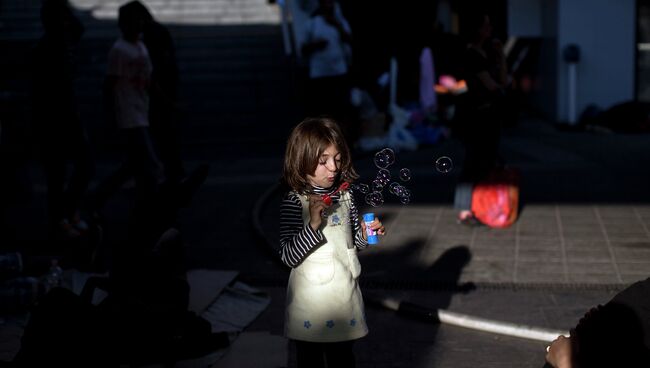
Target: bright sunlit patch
column 192, row 12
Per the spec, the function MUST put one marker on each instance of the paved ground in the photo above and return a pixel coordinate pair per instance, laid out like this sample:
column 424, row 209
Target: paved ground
column 575, row 244
column 582, row 235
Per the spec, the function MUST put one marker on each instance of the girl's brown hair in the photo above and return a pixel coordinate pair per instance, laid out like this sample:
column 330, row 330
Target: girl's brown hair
column 306, row 144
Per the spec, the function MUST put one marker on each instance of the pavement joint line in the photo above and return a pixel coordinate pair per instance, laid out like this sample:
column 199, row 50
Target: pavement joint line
column 514, row 271
column 608, row 242
column 472, row 241
column 565, row 267
column 447, row 286
column 640, row 218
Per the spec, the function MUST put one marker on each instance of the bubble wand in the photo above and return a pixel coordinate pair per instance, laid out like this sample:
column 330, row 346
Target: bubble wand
column 327, row 198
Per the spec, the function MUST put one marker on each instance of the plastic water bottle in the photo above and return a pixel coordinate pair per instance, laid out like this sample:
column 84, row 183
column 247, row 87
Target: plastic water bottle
column 371, row 234
column 54, row 277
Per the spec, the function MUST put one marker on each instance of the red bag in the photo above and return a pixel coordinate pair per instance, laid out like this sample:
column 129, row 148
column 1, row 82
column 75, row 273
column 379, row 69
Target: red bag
column 495, row 200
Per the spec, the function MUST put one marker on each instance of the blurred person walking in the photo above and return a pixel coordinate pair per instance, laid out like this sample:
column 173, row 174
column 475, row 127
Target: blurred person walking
column 163, row 94
column 126, row 90
column 328, row 51
column 58, row 129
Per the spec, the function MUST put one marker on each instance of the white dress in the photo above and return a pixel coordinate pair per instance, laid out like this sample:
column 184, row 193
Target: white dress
column 324, row 302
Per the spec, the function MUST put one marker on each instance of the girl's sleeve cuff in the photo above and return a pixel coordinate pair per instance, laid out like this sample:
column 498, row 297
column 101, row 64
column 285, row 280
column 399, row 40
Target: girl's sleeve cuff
column 316, row 236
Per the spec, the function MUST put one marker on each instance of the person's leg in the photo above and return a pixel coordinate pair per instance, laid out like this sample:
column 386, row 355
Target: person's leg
column 340, row 354
column 54, row 167
column 309, row 354
column 466, row 179
column 463, row 197
column 165, row 135
column 146, row 167
column 111, row 185
column 83, row 171
column 469, row 174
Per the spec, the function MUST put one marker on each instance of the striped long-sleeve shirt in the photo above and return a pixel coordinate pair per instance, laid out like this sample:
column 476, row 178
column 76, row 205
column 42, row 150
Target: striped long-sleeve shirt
column 297, row 239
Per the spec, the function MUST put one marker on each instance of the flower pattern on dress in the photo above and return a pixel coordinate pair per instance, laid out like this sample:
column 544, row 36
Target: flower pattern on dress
column 307, row 324
column 336, row 220
column 329, row 324
column 353, row 322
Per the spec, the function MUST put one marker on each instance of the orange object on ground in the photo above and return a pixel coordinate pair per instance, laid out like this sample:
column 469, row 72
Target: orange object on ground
column 495, row 200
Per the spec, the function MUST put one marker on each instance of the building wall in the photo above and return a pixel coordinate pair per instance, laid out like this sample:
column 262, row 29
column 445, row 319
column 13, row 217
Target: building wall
column 524, row 18
column 538, row 19
column 605, row 32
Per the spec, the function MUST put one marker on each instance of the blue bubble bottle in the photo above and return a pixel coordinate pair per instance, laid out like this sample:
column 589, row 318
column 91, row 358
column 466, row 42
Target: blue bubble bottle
column 372, row 234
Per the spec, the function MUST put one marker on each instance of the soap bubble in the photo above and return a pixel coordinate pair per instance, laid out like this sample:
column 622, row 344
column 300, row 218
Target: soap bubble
column 404, row 195
column 363, row 188
column 383, row 176
column 384, row 158
column 392, row 186
column 444, row 164
column 399, row 190
column 405, row 199
column 377, row 185
column 374, row 199
column 405, row 174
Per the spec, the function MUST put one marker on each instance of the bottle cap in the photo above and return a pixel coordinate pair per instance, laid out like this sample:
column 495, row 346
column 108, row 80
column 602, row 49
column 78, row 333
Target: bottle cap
column 368, row 217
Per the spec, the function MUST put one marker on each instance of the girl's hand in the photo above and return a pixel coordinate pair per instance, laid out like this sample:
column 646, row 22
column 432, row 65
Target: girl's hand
column 316, row 207
column 375, row 225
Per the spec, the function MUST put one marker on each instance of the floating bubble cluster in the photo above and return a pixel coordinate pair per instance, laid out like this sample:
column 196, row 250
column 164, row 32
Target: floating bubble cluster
column 383, row 159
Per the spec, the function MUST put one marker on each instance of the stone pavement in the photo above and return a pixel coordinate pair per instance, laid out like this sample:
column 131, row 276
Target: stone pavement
column 581, row 237
column 582, row 234
column 575, row 244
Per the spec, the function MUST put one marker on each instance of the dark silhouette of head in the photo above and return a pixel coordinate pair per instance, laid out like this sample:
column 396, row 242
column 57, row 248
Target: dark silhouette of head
column 59, row 21
column 142, row 10
column 130, row 20
column 476, row 27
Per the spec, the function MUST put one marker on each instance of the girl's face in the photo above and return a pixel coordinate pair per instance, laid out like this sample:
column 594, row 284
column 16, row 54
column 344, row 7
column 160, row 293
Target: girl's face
column 327, row 168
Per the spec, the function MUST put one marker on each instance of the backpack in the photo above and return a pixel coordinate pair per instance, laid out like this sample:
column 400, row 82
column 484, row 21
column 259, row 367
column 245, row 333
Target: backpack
column 495, row 200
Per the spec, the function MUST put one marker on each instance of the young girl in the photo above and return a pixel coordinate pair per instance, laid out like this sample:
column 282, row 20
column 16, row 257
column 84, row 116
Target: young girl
column 324, row 312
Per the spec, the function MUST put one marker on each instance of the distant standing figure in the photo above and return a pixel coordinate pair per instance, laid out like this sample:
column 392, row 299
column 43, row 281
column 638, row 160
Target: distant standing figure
column 478, row 124
column 59, row 131
column 319, row 241
column 328, row 52
column 127, row 94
